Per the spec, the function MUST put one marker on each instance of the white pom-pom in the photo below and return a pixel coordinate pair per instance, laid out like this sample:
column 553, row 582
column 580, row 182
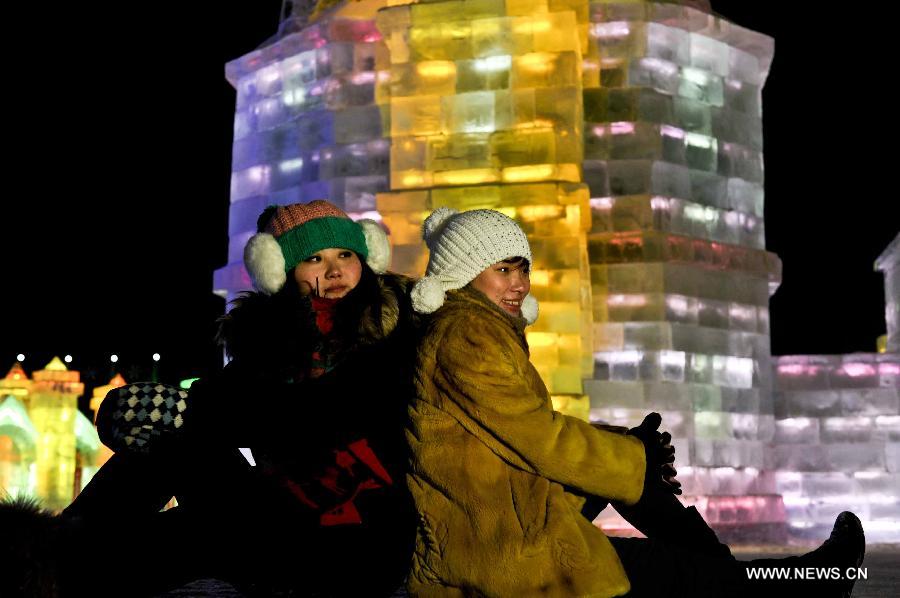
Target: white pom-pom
column 427, row 295
column 378, row 244
column 265, row 263
column 435, row 222
column 530, row 308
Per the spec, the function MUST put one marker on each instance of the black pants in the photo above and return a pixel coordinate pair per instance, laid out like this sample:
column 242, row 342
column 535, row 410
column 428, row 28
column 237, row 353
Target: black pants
column 227, row 526
column 147, row 551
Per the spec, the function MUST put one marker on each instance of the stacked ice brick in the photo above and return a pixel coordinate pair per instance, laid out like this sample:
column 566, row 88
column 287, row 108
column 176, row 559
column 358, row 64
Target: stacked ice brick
column 306, row 126
column 838, row 441
column 889, row 264
column 680, row 277
column 485, row 100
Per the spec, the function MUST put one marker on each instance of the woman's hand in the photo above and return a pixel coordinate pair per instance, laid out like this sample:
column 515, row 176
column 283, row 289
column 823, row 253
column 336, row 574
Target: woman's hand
column 668, row 470
column 660, row 452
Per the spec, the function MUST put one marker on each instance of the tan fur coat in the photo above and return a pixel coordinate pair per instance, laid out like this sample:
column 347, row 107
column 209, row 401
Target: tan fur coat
column 491, row 464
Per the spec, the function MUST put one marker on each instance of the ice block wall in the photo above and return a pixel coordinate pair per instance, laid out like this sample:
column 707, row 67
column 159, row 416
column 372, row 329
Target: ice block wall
column 838, row 442
column 889, row 264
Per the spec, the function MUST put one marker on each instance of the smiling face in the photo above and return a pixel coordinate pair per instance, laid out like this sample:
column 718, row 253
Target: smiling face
column 335, row 272
column 506, row 283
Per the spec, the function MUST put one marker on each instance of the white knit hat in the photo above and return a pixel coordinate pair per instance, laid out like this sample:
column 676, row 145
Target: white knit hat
column 463, row 245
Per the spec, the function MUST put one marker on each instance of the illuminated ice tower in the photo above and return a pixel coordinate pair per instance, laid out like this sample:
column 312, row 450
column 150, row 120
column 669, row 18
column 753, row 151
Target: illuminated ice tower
column 54, row 410
column 680, row 276
column 625, row 138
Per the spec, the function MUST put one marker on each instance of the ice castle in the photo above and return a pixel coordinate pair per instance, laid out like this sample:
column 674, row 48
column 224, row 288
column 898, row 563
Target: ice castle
column 48, row 448
column 626, row 138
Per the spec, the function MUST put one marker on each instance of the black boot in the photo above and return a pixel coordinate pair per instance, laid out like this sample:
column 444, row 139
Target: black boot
column 843, row 550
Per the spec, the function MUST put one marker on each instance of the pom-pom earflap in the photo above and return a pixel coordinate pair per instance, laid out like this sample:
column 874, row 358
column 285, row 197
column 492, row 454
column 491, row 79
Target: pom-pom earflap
column 427, row 295
column 435, row 222
column 265, row 263
column 379, row 258
column 530, row 308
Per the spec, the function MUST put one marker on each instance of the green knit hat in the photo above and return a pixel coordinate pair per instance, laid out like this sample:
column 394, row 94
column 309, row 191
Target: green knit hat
column 304, row 229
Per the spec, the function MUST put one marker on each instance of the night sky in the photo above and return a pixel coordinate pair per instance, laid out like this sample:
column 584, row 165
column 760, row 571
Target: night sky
column 118, row 140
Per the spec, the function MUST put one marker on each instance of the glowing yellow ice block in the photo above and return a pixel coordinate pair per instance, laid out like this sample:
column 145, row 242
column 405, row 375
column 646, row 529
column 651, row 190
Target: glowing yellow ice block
column 430, row 76
column 416, row 115
column 459, row 152
column 54, row 404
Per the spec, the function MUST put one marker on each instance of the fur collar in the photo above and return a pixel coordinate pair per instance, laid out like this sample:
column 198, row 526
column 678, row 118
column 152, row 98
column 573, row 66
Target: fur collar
column 276, row 328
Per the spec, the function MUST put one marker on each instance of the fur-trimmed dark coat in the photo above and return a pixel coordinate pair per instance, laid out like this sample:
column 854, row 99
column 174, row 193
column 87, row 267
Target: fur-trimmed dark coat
column 330, row 451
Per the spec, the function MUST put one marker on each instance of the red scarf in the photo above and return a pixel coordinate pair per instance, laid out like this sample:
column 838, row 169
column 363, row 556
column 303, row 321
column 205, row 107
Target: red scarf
column 324, row 308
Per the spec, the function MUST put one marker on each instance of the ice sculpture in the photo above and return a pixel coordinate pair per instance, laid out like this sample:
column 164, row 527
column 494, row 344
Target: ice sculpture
column 18, row 438
column 18, row 448
column 53, row 408
column 48, row 449
column 625, row 137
